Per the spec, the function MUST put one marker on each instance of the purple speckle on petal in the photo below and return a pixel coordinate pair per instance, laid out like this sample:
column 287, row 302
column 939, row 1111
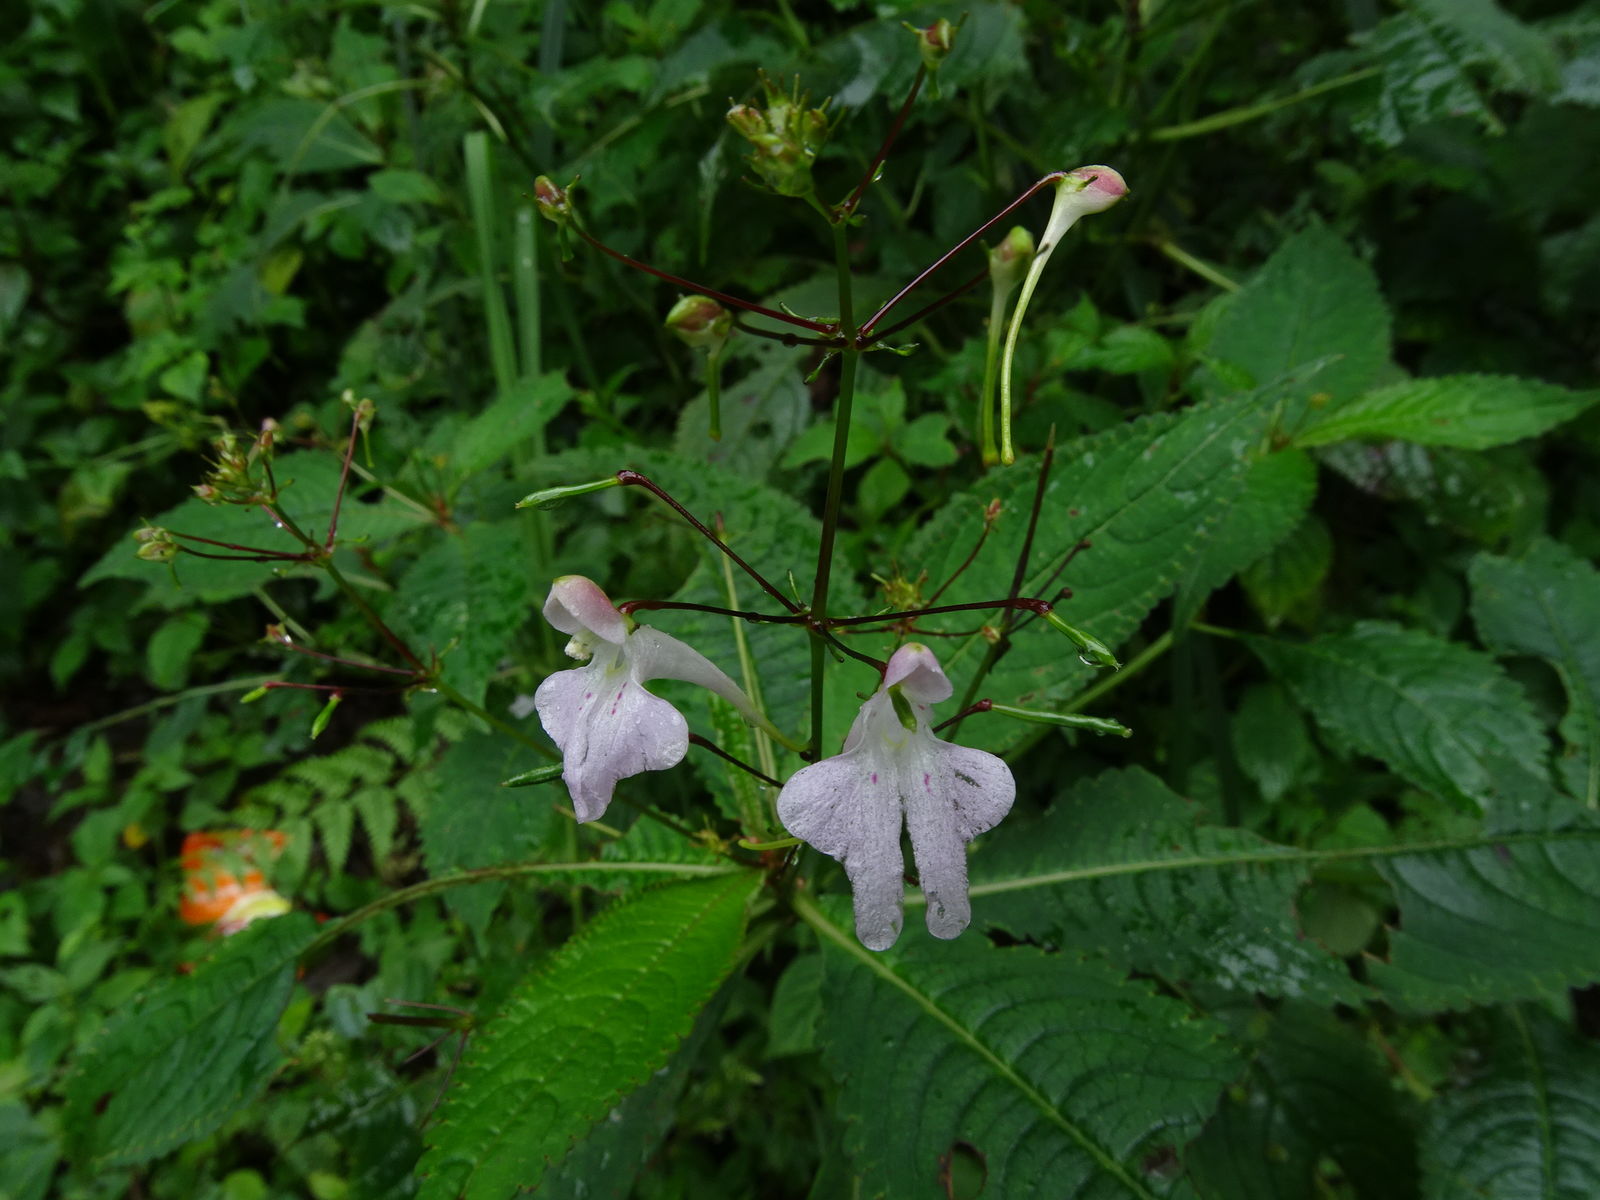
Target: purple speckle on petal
column 618, row 699
column 927, row 785
column 874, row 777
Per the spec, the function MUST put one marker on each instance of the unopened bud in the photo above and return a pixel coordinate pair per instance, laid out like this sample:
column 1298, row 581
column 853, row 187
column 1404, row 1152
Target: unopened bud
column 536, row 775
column 269, row 434
column 550, row 497
column 701, row 322
column 364, row 409
column 552, row 199
column 1092, row 652
column 747, row 122
column 1010, row 259
column 934, row 42
column 1067, row 720
column 155, row 544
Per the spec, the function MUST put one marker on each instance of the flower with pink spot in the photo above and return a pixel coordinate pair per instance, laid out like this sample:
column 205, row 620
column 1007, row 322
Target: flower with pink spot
column 607, row 725
column 894, row 771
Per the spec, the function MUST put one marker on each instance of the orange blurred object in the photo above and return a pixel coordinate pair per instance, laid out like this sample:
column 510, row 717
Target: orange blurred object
column 223, row 885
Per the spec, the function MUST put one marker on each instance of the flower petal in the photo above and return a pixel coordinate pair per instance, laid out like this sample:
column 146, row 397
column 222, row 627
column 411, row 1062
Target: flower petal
column 918, row 673
column 951, row 794
column 847, row 809
column 608, row 728
column 577, row 605
column 652, row 654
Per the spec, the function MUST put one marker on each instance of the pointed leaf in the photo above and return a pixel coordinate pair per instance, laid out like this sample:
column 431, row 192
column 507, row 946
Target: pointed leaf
column 1546, row 604
column 1512, row 920
column 188, row 1055
column 1120, row 866
column 1473, row 412
column 1313, row 298
column 1443, row 716
column 1528, row 1124
column 581, row 1033
column 1037, row 1066
column 1144, row 494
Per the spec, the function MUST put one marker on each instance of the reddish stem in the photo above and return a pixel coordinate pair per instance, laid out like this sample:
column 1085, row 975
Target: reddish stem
column 928, row 310
column 707, row 744
column 849, row 206
column 958, row 248
column 344, row 477
column 722, row 297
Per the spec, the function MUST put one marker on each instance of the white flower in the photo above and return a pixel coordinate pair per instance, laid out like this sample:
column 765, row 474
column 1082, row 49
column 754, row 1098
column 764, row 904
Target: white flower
column 606, row 724
column 893, row 768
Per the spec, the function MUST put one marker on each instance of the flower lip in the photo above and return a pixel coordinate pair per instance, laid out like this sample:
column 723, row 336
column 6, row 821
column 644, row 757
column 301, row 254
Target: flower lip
column 577, row 605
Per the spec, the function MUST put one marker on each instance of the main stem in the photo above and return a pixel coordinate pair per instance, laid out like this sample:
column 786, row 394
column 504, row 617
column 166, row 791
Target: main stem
column 849, row 356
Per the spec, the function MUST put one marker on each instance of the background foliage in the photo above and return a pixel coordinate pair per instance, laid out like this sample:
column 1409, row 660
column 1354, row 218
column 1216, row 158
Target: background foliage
column 1324, row 927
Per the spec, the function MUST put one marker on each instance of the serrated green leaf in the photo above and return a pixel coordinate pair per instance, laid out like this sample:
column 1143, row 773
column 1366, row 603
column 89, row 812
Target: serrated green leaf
column 762, row 412
column 1145, row 495
column 193, row 1051
column 1440, row 715
column 471, row 821
column 1311, row 300
column 1526, row 1125
column 1545, row 604
column 1472, row 412
column 171, row 646
column 1424, row 78
column 1046, row 1066
column 1285, row 582
column 1120, row 866
column 1508, row 921
column 925, row 441
column 1522, row 56
column 490, row 436
column 335, row 821
column 380, row 816
column 1277, row 493
column 467, row 596
column 1494, row 496
column 1314, row 1092
column 580, row 1034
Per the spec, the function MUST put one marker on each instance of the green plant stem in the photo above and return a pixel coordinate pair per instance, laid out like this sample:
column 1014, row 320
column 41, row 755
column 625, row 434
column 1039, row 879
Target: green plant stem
column 480, row 194
column 1199, row 266
column 1250, row 112
column 444, row 883
column 849, row 357
column 714, row 395
column 991, row 372
column 156, row 705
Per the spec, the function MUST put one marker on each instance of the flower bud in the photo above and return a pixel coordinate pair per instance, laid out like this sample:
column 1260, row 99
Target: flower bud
column 1010, row 259
column 934, row 42
column 554, row 203
column 155, row 544
column 747, row 122
column 700, row 322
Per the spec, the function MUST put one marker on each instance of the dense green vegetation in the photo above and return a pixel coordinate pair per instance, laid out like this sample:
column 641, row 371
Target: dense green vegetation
column 1305, row 425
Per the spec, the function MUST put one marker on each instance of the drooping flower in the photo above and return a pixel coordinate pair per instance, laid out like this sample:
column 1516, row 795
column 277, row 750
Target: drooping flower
column 223, row 882
column 600, row 715
column 893, row 770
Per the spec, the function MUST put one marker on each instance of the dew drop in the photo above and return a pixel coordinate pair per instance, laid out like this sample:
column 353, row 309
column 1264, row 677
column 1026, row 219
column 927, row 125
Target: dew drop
column 1087, row 661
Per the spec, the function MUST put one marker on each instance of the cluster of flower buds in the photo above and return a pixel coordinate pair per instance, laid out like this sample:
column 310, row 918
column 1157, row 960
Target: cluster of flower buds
column 232, row 478
column 785, row 137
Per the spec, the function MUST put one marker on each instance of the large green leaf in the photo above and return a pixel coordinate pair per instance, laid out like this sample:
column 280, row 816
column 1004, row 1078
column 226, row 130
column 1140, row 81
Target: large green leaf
column 1472, row 412
column 1315, row 1091
column 1511, row 920
column 581, row 1033
column 1311, row 300
column 1143, row 494
column 512, row 419
column 1546, row 604
column 1442, row 716
column 1040, row 1066
column 1527, row 1125
column 1120, row 866
column 1277, row 494
column 466, row 597
column 188, row 1055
